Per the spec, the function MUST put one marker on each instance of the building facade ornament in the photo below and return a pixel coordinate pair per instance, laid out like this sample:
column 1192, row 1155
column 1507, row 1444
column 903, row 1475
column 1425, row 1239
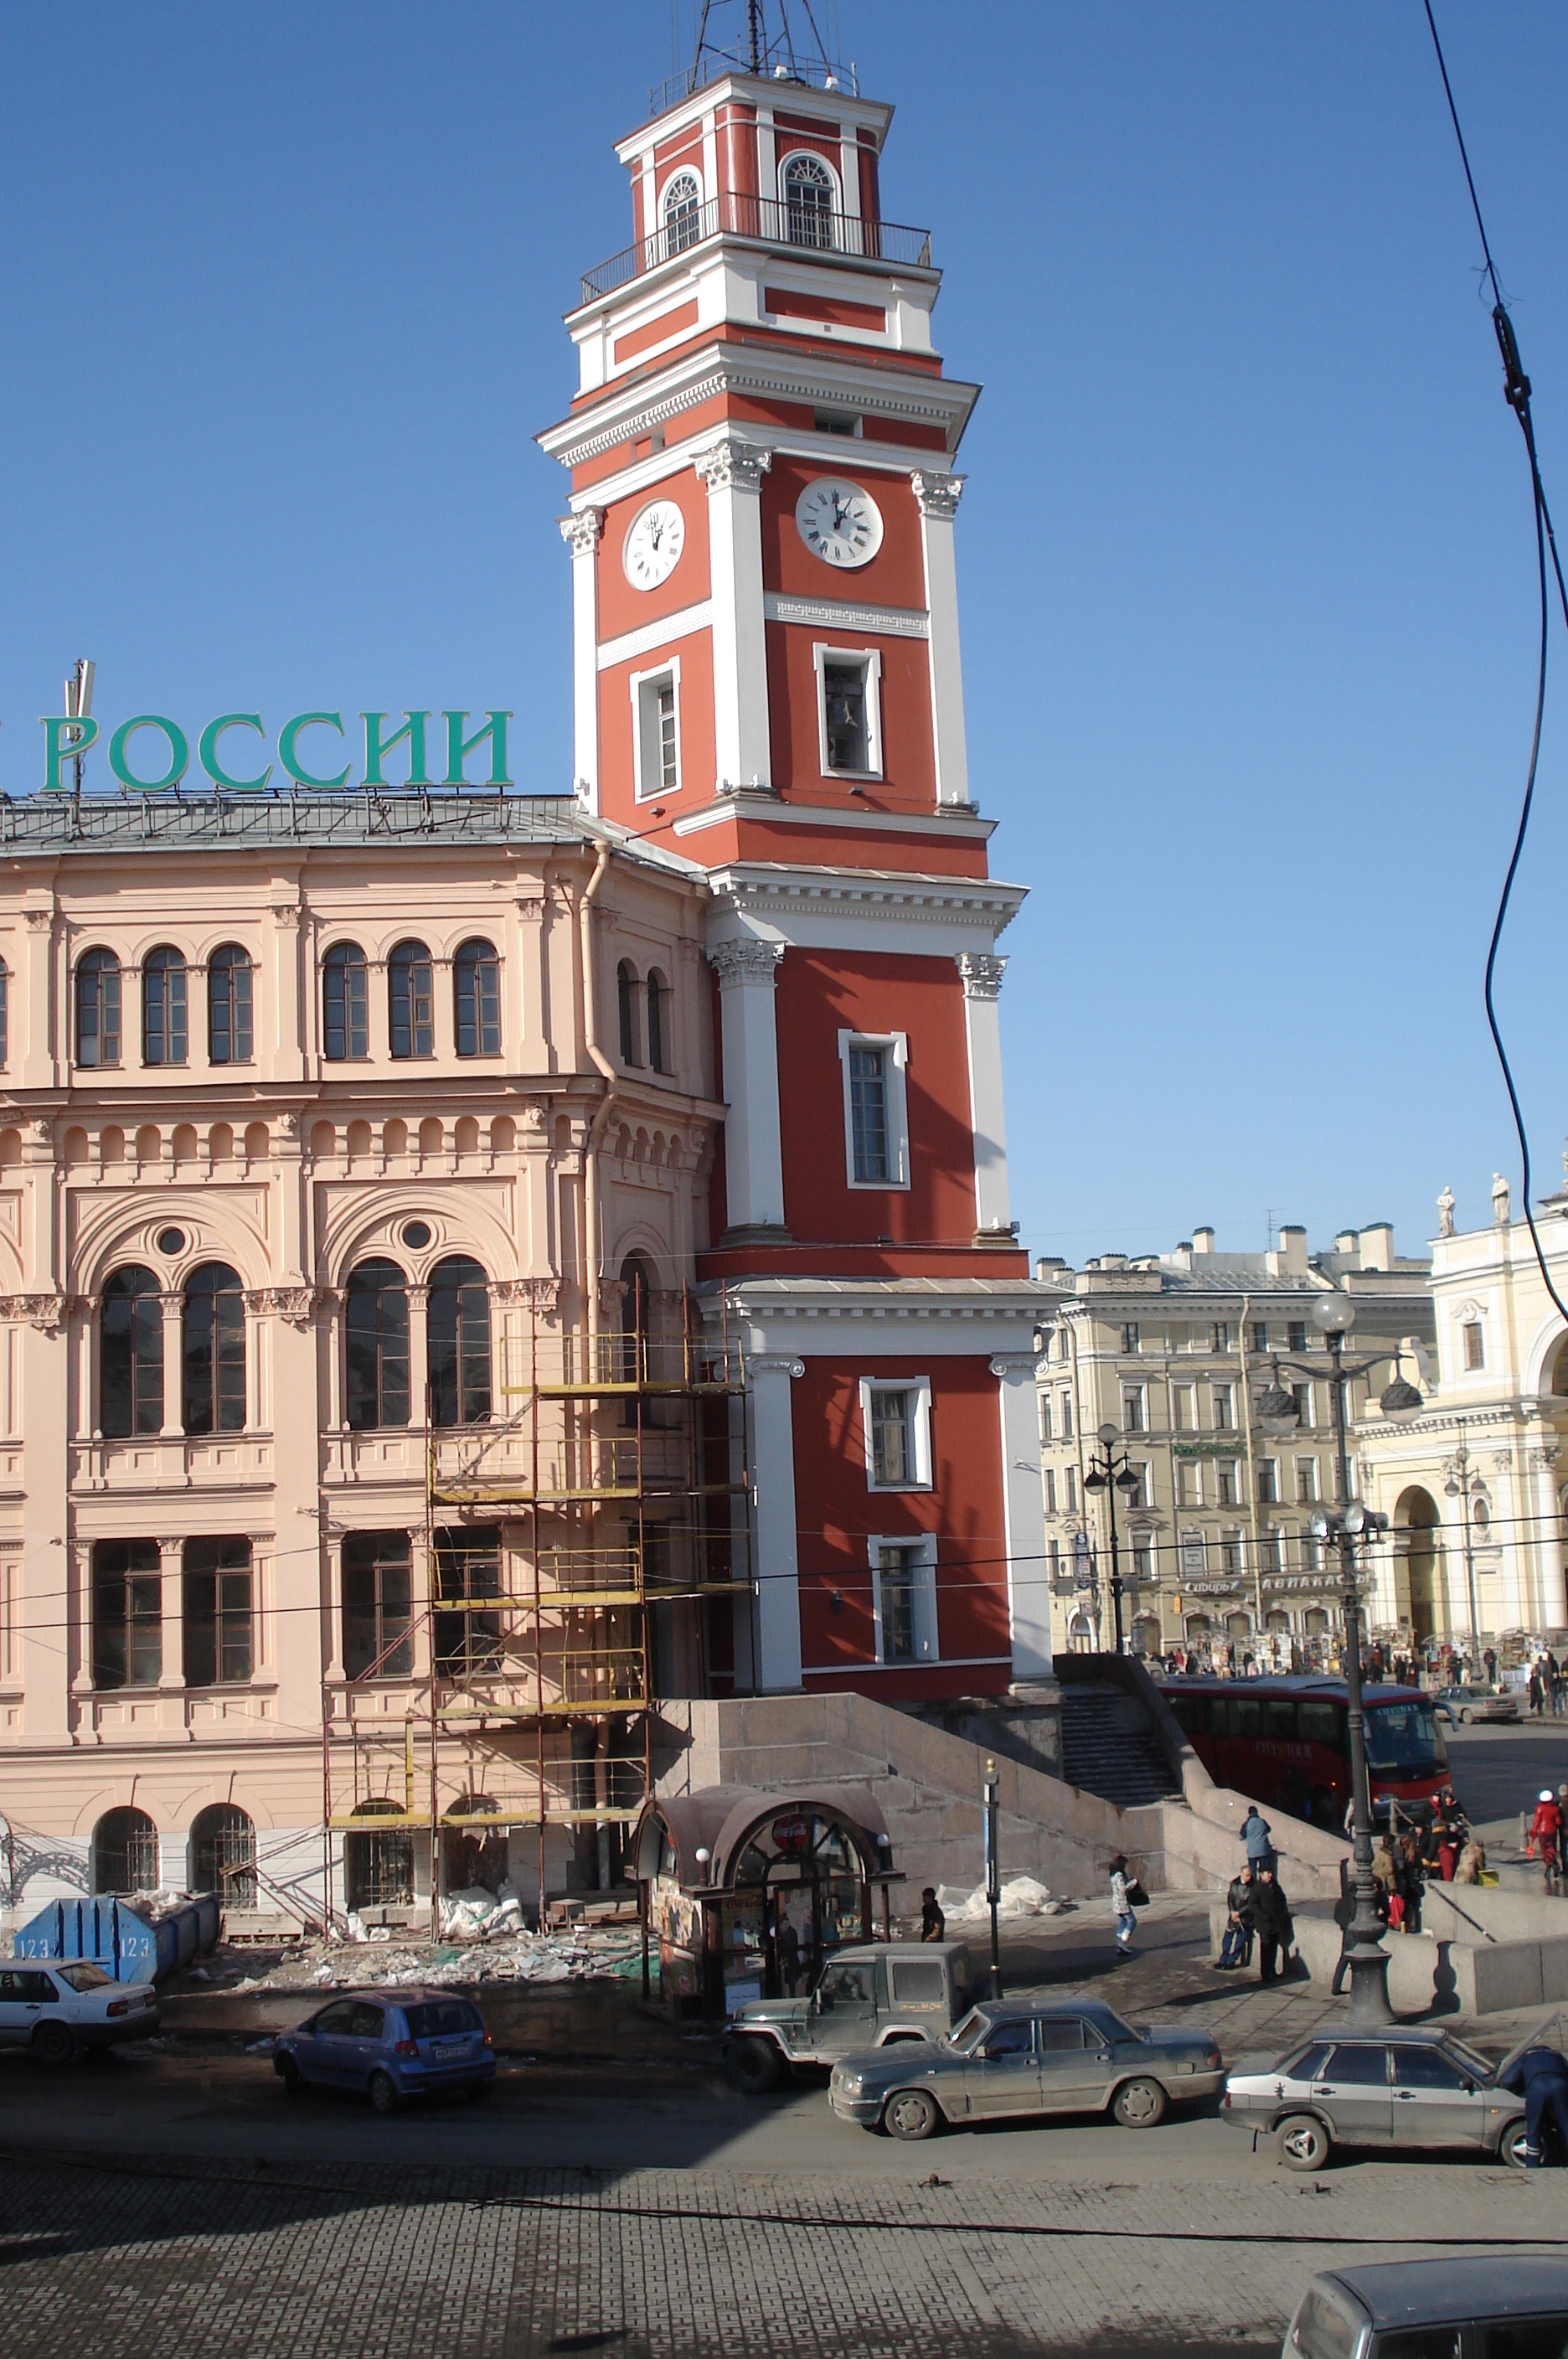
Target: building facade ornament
column 1445, row 1204
column 774, row 1363
column 1503, row 1461
column 297, row 1305
column 44, row 1311
column 937, row 493
column 581, row 532
column 982, row 973
column 733, row 466
column 747, row 961
column 541, row 1294
column 1499, row 1200
column 38, row 922
column 1545, row 1455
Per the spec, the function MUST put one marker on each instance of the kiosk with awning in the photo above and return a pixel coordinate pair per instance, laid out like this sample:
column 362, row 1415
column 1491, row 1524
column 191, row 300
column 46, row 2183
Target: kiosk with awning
column 747, row 1892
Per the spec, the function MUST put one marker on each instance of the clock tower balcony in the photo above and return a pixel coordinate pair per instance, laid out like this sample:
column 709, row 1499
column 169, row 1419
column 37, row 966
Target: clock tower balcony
column 851, row 240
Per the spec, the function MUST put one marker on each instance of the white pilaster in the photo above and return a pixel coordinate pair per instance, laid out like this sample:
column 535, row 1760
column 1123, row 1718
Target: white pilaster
column 1028, row 1580
column 939, row 495
column 754, row 1158
column 1548, row 1528
column 981, row 985
column 733, row 472
column 580, row 533
column 778, row 1568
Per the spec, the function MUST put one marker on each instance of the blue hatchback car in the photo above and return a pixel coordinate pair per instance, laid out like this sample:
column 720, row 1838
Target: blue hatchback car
column 389, row 2047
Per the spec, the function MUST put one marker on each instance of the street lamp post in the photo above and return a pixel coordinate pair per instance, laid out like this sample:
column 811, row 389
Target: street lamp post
column 991, row 1787
column 1347, row 1523
column 1462, row 1485
column 1106, row 1475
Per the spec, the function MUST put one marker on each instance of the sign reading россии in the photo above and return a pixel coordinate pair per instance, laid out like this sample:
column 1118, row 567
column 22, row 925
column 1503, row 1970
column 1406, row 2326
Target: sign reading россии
column 68, row 737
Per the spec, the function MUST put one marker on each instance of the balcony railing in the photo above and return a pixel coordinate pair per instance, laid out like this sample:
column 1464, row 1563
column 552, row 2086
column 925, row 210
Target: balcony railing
column 805, row 228
column 814, row 73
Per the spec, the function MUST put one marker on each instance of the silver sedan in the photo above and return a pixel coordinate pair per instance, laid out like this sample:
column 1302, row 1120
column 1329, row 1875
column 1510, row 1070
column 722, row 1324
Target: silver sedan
column 1462, row 1705
column 1005, row 2058
column 1409, row 2087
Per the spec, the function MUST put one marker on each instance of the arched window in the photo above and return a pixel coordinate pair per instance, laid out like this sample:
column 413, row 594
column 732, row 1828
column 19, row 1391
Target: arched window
column 98, row 1009
column 216, row 1613
column 345, row 1002
column 477, row 982
column 809, row 207
column 626, row 1000
column 377, row 1346
column 163, row 1007
column 214, row 1350
column 228, row 1007
column 459, row 1344
column 658, row 1041
column 378, row 1870
column 125, row 1853
column 682, row 213
column 412, row 1001
column 635, row 1324
column 130, row 1362
column 222, row 1855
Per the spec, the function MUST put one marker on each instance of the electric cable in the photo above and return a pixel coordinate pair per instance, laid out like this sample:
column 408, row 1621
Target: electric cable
column 1517, row 392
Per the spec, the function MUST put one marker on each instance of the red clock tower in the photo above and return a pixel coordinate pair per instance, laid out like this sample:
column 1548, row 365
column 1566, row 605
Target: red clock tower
column 768, row 685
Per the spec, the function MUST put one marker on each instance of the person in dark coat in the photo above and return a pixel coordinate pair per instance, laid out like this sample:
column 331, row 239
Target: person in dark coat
column 1271, row 1922
column 1235, row 1948
column 1540, row 2077
column 933, row 1924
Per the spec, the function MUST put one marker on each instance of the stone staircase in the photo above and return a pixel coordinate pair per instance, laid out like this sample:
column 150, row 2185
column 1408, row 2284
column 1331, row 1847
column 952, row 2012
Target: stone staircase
column 1108, row 1747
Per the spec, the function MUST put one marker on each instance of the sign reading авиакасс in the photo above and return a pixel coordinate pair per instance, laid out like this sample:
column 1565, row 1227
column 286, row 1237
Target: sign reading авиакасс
column 67, row 738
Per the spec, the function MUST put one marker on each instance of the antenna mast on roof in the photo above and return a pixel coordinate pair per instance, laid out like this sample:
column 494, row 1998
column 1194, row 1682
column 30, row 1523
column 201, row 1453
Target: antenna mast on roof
column 754, row 51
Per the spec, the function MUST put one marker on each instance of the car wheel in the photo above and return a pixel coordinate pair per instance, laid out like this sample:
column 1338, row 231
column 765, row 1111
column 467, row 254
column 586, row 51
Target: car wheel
column 1510, row 2146
column 1139, row 2104
column 1302, row 2143
column 754, row 2066
column 384, row 2093
column 1465, row 1718
column 289, row 2074
column 54, row 2043
column 911, row 2113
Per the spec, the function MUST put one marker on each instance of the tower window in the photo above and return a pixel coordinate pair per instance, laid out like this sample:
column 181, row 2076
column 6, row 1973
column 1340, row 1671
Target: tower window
column 808, row 192
column 897, row 1420
column 903, row 1576
column 849, row 711
column 837, row 421
column 682, row 213
column 876, row 1121
column 1474, row 1344
column 656, row 717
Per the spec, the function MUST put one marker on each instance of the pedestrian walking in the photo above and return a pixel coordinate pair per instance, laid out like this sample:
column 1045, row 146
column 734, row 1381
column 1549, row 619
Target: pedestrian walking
column 1557, row 1684
column 1533, row 1690
column 1271, row 1920
column 1490, row 1659
column 1545, row 1837
column 1236, row 1948
column 1126, row 1923
column 1540, row 2077
column 1257, row 1839
column 933, row 1924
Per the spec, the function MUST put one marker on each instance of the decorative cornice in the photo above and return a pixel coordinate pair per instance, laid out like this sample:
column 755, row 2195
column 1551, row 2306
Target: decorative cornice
column 938, row 494
column 733, row 466
column 745, row 961
column 581, row 531
column 982, row 973
column 844, row 614
column 872, row 893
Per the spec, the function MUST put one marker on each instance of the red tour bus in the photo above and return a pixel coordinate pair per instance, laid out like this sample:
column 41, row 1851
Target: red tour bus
column 1284, row 1741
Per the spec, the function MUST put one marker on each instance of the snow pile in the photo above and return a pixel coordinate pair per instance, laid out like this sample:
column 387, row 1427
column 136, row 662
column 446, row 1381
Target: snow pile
column 1023, row 1896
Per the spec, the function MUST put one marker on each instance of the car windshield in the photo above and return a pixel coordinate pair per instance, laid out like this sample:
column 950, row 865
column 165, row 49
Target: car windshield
column 1404, row 1740
column 1468, row 2061
column 964, row 2035
column 85, row 1977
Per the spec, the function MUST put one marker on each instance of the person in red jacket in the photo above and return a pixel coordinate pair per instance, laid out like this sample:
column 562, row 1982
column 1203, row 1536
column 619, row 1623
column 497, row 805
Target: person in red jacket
column 1545, row 1829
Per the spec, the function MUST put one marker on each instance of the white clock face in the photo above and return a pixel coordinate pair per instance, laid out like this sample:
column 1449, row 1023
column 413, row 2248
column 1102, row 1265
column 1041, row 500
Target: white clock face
column 654, row 543
column 839, row 522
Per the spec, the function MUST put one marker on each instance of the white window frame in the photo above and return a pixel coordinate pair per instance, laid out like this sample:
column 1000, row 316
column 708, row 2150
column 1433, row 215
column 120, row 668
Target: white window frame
column 1183, row 1409
column 927, row 1642
column 897, row 1044
column 670, row 669
column 871, row 658
column 834, row 183
column 1138, row 1394
column 1189, row 1482
column 684, row 170
column 1050, row 1493
column 920, row 1388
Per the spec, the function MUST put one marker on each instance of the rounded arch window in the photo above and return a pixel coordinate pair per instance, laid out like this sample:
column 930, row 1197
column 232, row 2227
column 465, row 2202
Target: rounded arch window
column 477, row 991
column 682, row 211
column 810, row 194
column 229, row 1006
column 346, row 1004
column 222, row 1855
column 377, row 1332
column 459, row 1344
column 411, row 1001
column 125, row 1853
column 659, row 1040
column 130, row 1360
column 98, row 1008
column 213, row 1337
column 626, row 996
column 378, row 1869
column 163, row 1007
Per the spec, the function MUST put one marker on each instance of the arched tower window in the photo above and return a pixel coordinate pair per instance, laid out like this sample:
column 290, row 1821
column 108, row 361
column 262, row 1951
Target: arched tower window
column 98, row 1009
column 682, row 213
column 229, row 1006
column 459, row 1344
column 377, row 1323
column 163, row 1007
column 476, row 986
column 346, row 1004
column 809, row 193
column 626, row 996
column 214, row 1350
column 130, row 1366
column 411, row 1001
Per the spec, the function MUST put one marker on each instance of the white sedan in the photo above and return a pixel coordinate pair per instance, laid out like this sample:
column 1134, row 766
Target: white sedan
column 59, row 2009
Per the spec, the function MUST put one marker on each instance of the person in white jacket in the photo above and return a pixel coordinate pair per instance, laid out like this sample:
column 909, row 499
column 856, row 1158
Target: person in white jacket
column 1126, row 1923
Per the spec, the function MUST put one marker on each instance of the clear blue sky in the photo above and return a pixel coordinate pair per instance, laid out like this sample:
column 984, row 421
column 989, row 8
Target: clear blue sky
column 1245, row 555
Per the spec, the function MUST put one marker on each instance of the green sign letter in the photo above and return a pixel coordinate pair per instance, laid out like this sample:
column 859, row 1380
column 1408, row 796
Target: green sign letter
column 179, row 754
column 59, row 747
column 377, row 747
column 459, row 747
column 208, row 750
column 287, row 736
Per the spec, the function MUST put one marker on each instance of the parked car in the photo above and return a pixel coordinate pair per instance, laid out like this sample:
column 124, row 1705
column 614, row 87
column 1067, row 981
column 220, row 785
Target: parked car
column 58, row 2010
column 1409, row 2086
column 390, row 2048
column 1073, row 2056
column 867, row 1997
column 1472, row 2306
column 1460, row 1706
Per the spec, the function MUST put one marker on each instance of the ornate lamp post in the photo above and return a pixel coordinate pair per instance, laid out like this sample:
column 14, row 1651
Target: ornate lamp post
column 1346, row 1524
column 1462, row 1485
column 1107, row 1476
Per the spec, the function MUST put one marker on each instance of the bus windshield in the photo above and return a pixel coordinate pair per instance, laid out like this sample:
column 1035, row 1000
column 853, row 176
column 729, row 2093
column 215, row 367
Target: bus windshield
column 1403, row 1740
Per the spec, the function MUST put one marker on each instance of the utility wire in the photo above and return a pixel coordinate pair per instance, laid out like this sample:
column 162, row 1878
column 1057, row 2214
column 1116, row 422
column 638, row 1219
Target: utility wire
column 1516, row 387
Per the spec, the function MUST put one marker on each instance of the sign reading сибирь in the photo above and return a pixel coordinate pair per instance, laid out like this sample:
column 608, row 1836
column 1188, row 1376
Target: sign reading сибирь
column 67, row 738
